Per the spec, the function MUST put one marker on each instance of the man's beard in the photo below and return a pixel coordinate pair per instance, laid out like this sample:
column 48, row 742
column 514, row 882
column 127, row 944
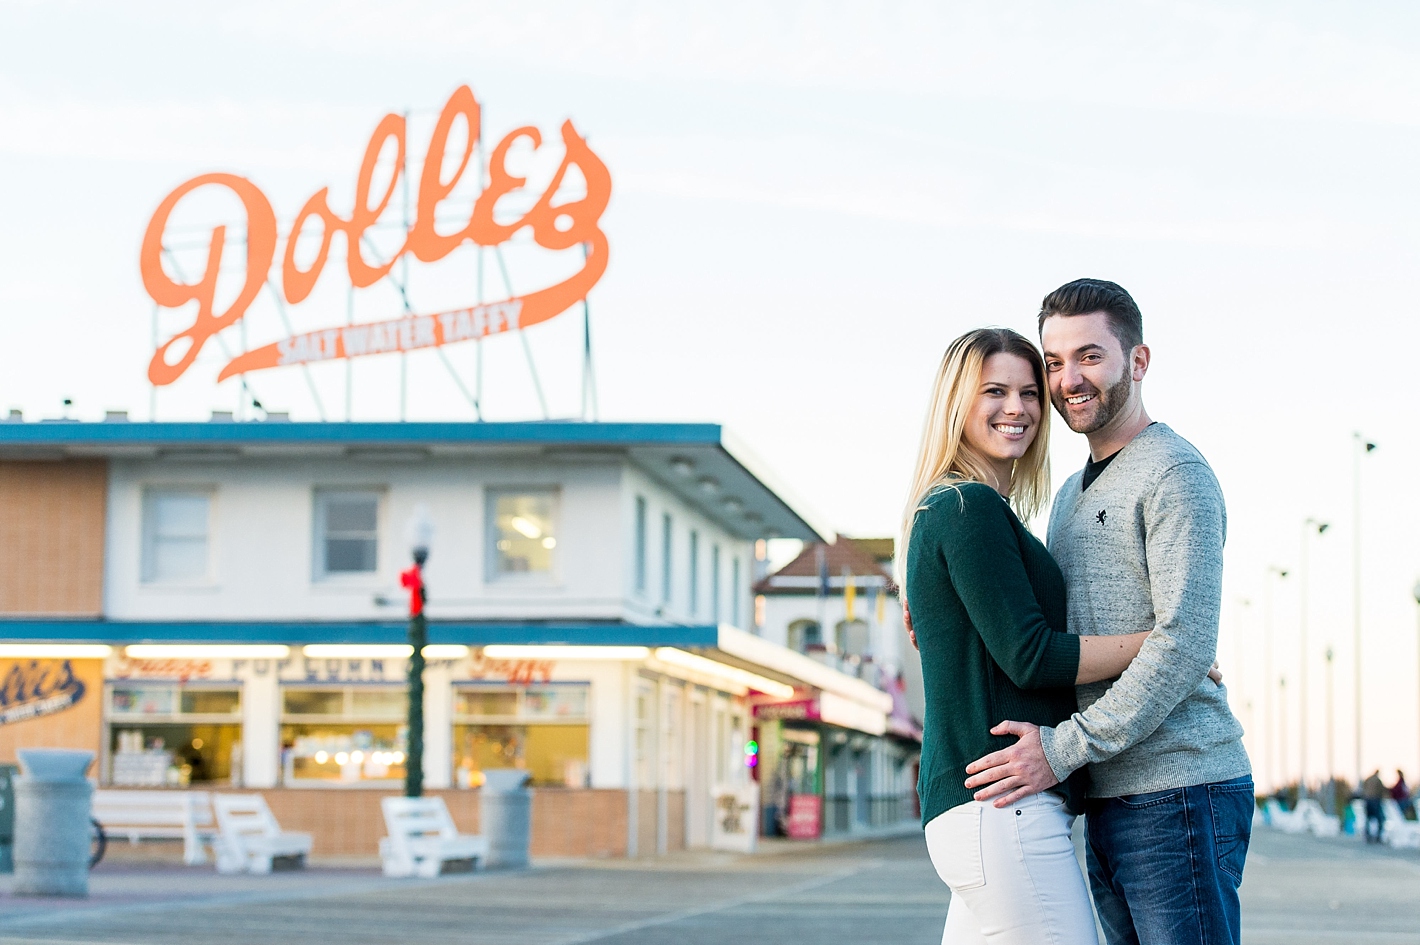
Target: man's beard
column 1107, row 403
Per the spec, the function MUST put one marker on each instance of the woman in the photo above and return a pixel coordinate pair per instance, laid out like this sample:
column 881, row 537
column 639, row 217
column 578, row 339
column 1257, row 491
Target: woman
column 988, row 612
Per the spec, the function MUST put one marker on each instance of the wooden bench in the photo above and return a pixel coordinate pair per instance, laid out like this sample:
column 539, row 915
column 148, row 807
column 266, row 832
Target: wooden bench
column 159, row 815
column 249, row 837
column 422, row 838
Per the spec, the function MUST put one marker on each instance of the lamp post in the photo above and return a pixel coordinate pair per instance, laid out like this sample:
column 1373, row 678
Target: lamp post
column 1330, row 717
column 1309, row 527
column 1270, row 719
column 1416, row 592
column 1363, row 447
column 1282, row 725
column 420, row 533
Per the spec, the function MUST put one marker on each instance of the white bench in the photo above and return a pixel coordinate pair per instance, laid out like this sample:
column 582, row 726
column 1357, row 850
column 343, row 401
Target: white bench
column 1399, row 832
column 158, row 815
column 249, row 837
column 422, row 837
column 1317, row 821
column 1279, row 818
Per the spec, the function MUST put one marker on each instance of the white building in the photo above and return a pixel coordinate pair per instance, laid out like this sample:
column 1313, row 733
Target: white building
column 587, row 588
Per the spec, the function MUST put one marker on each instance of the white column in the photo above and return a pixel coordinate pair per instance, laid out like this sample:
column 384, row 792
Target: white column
column 261, row 726
column 438, row 724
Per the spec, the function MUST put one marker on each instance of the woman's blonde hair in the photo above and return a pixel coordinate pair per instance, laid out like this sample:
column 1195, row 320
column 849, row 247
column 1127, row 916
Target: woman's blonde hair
column 946, row 460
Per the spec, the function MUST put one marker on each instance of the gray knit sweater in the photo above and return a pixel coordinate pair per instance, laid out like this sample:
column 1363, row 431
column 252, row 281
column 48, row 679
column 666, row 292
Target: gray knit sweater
column 1142, row 549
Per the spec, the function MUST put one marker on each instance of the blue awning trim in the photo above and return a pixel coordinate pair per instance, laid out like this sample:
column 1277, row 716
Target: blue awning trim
column 121, row 633
column 359, row 433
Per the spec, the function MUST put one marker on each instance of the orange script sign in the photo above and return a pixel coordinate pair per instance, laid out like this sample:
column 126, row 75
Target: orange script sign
column 553, row 226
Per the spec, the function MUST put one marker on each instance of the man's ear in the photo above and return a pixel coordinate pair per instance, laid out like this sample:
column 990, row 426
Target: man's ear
column 1140, row 358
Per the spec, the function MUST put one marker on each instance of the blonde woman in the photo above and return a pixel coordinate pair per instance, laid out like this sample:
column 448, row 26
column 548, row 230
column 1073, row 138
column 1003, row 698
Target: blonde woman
column 988, row 612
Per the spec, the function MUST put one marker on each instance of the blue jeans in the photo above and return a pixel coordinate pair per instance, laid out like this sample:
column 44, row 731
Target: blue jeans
column 1165, row 866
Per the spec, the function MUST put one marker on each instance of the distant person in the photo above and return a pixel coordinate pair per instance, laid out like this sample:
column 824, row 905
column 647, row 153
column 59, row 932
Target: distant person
column 1400, row 793
column 1139, row 536
column 988, row 613
column 1374, row 791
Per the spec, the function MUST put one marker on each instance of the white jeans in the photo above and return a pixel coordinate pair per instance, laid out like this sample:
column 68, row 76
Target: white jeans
column 1013, row 874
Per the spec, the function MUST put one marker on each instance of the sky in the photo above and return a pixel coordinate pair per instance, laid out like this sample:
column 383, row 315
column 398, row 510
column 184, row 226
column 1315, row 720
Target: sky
column 809, row 201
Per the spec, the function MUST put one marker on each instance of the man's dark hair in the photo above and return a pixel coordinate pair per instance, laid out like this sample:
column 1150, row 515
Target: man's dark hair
column 1084, row 296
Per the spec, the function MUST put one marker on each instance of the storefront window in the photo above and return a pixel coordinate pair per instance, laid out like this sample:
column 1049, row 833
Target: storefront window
column 541, row 729
column 173, row 734
column 343, row 735
column 522, row 533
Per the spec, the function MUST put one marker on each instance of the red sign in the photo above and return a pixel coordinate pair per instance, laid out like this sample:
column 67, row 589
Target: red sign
column 794, row 710
column 554, row 226
column 805, row 820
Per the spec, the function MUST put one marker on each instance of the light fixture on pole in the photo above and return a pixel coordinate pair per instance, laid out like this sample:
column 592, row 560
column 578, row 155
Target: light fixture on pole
column 1309, row 527
column 420, row 533
column 1269, row 731
column 1362, row 447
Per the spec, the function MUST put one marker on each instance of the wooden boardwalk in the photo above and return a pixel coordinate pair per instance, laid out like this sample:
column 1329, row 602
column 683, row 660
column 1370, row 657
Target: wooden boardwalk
column 1299, row 891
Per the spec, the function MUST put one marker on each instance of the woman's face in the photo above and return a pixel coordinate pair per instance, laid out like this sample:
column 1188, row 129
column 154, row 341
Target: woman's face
column 1005, row 415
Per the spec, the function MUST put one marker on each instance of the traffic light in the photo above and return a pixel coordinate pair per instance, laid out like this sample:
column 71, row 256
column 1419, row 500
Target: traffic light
column 751, row 754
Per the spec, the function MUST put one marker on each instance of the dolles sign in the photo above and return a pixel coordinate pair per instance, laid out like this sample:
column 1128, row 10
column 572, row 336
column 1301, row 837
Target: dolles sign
column 553, row 227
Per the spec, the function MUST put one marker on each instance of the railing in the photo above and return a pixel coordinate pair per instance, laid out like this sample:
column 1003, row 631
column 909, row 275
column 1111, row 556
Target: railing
column 845, row 812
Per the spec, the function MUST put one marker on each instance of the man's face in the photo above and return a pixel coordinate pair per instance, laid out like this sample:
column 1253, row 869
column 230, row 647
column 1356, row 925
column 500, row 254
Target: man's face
column 1091, row 377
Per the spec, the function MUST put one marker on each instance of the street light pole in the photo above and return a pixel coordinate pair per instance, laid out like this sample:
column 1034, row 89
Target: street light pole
column 1270, row 725
column 1308, row 527
column 1330, row 717
column 1282, row 725
column 1416, row 593
column 1363, row 446
column 420, row 533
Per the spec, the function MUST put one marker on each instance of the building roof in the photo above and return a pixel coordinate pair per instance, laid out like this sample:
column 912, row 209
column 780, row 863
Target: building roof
column 699, row 462
column 802, row 576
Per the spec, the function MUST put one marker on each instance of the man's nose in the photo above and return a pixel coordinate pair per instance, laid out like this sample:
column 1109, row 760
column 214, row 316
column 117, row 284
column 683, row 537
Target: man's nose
column 1067, row 378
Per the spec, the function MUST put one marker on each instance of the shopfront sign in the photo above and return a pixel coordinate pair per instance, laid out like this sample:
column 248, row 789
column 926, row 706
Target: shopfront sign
column 33, row 688
column 795, row 710
column 521, row 672
column 553, row 225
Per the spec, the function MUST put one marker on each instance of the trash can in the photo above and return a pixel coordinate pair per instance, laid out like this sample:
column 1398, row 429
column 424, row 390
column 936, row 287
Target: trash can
column 505, row 816
column 7, row 818
column 52, row 806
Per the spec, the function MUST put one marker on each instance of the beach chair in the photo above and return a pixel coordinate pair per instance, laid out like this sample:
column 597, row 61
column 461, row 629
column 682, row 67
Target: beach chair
column 249, row 838
column 422, row 838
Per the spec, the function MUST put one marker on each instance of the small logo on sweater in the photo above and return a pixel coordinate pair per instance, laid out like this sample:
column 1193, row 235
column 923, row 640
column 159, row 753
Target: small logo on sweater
column 1099, row 517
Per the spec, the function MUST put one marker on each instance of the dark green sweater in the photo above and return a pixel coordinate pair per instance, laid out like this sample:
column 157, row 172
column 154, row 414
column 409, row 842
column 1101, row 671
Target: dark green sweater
column 988, row 608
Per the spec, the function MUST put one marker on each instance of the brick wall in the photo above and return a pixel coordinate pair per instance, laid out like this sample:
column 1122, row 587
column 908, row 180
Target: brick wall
column 565, row 823
column 52, row 537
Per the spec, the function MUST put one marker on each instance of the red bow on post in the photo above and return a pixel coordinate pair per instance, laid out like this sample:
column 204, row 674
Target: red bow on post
column 413, row 579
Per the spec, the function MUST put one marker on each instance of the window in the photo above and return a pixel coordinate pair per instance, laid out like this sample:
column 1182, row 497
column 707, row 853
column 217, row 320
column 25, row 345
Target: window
column 715, row 584
column 666, row 532
column 542, row 729
column 343, row 735
column 804, row 634
column 347, row 532
column 522, row 534
column 735, row 592
column 175, row 529
column 640, row 545
column 164, row 734
column 694, row 573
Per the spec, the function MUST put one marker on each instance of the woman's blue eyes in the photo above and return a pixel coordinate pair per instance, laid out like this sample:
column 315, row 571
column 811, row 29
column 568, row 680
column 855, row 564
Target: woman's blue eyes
column 1000, row 391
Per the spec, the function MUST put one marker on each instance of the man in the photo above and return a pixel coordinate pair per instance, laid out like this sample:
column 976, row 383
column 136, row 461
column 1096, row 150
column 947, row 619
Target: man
column 1139, row 536
column 1374, row 791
